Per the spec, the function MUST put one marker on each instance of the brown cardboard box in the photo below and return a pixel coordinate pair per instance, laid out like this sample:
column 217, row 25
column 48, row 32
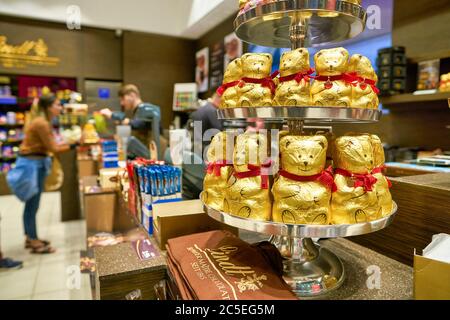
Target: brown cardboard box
column 108, row 177
column 176, row 219
column 102, row 210
column 100, row 207
column 87, row 167
column 431, row 279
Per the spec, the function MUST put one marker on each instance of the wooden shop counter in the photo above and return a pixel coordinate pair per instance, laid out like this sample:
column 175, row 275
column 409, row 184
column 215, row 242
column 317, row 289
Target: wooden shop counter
column 424, row 210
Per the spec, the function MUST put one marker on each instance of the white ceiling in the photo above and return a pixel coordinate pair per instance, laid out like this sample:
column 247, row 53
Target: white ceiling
column 183, row 18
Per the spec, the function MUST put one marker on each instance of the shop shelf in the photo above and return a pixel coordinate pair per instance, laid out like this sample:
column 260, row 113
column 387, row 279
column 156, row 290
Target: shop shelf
column 409, row 98
column 8, row 125
column 11, row 141
column 3, row 159
column 8, row 100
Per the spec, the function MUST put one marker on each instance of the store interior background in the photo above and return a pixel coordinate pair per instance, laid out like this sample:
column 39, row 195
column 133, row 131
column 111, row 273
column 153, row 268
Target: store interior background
column 153, row 43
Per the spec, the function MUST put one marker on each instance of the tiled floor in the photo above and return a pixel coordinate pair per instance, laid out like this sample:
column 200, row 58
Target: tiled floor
column 43, row 277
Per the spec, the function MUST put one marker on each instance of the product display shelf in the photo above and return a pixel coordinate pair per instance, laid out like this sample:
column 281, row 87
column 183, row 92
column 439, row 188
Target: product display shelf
column 407, row 98
column 305, row 114
column 310, row 270
column 11, row 141
column 10, row 125
column 315, row 23
column 13, row 158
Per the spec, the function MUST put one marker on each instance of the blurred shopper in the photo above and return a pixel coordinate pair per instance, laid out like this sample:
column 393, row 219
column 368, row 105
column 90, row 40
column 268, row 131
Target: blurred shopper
column 33, row 164
column 208, row 115
column 7, row 263
column 139, row 115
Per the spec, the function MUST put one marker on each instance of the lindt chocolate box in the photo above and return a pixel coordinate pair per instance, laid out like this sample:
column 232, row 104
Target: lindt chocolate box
column 129, row 268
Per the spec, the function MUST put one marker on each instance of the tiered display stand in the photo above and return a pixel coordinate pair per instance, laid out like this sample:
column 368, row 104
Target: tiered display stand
column 308, row 268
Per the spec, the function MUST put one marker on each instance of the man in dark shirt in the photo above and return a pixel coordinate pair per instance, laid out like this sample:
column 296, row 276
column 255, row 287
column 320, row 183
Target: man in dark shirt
column 208, row 115
column 146, row 118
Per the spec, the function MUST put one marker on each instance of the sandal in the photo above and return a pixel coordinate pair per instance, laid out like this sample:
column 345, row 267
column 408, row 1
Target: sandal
column 29, row 246
column 43, row 250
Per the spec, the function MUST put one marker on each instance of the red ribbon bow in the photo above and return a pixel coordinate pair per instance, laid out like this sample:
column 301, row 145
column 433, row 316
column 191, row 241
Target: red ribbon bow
column 264, row 82
column 220, row 91
column 325, row 178
column 364, row 82
column 380, row 169
column 214, row 167
column 347, row 77
column 256, row 171
column 298, row 76
column 362, row 180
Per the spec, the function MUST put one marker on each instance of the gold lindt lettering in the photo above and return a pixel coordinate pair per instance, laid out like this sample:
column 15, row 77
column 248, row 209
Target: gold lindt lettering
column 220, row 255
column 28, row 53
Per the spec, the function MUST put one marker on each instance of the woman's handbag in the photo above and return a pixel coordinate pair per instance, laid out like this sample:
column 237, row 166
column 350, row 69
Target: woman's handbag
column 55, row 179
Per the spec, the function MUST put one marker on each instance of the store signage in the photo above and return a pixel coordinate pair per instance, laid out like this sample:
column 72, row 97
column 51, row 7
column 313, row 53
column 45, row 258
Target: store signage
column 28, row 53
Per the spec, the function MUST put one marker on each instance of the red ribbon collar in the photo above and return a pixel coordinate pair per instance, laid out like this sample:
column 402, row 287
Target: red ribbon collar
column 298, row 76
column 381, row 169
column 220, row 91
column 214, row 167
column 364, row 82
column 361, row 180
column 265, row 82
column 256, row 171
column 346, row 77
column 325, row 177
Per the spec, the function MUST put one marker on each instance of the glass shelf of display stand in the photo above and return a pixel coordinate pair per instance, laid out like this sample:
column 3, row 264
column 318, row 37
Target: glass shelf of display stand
column 306, row 114
column 323, row 22
column 309, row 269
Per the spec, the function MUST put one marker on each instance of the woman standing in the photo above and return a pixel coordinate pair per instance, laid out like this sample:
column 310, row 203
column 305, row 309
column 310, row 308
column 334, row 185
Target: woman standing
column 34, row 164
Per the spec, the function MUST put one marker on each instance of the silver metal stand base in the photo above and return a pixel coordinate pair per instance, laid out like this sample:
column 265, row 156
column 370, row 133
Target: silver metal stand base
column 310, row 270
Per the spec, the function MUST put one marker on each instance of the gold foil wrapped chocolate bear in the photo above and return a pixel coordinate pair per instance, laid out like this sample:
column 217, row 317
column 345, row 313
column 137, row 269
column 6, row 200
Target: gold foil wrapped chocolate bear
column 229, row 89
column 356, row 199
column 248, row 193
column 332, row 86
column 294, row 88
column 303, row 189
column 364, row 90
column 383, row 184
column 257, row 87
column 242, row 4
column 219, row 170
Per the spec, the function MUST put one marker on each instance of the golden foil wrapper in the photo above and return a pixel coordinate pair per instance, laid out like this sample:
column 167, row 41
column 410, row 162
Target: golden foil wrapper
column 382, row 185
column 244, row 197
column 256, row 66
column 293, row 93
column 331, row 62
column 363, row 95
column 298, row 202
column 213, row 188
column 220, row 149
column 349, row 204
column 230, row 96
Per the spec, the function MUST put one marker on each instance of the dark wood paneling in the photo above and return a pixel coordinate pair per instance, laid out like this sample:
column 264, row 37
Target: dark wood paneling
column 63, row 44
column 155, row 63
column 70, row 192
column 424, row 210
column 86, row 53
column 102, row 55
